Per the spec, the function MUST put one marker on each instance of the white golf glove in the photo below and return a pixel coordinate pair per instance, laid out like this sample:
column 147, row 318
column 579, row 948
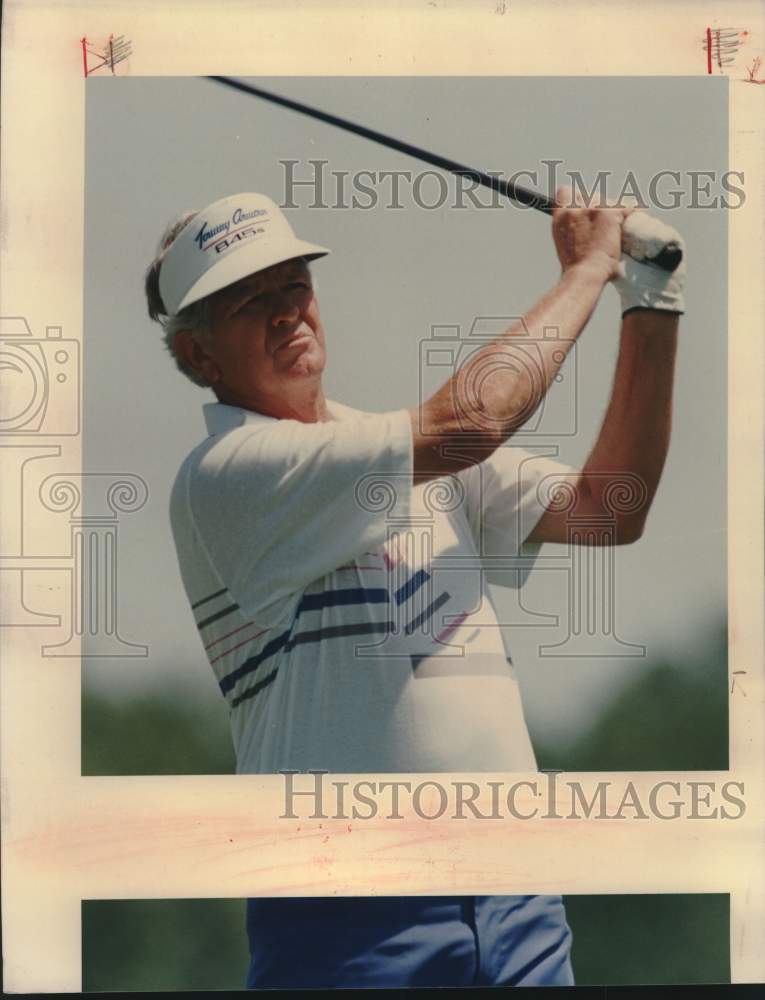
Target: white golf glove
column 644, row 285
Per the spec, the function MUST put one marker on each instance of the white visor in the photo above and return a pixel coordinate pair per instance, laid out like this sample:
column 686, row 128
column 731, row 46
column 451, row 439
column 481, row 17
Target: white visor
column 226, row 241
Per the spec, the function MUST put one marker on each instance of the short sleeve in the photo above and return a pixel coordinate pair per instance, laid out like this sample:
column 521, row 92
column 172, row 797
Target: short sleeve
column 506, row 496
column 279, row 505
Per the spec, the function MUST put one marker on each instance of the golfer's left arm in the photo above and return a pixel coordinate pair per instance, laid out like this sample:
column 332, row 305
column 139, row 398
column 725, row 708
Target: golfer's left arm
column 634, row 437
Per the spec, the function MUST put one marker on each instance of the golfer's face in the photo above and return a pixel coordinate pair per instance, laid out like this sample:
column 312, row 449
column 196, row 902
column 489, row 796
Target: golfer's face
column 266, row 332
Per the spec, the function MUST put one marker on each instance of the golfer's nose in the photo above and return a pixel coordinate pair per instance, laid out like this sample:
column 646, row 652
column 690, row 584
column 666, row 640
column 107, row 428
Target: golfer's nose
column 285, row 310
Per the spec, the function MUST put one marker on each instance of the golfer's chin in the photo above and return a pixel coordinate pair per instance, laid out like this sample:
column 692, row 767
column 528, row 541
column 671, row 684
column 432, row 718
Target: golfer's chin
column 304, row 358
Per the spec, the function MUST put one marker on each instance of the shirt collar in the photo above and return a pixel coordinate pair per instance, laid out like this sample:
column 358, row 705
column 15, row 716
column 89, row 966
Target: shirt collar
column 220, row 417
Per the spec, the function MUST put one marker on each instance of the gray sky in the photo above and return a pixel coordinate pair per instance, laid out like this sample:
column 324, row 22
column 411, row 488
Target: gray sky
column 157, row 146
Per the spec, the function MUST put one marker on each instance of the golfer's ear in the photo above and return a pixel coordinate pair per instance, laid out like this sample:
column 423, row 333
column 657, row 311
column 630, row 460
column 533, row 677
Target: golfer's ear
column 191, row 351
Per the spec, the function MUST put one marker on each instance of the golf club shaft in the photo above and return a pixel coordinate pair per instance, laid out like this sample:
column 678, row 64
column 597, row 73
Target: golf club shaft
column 521, row 195
column 667, row 259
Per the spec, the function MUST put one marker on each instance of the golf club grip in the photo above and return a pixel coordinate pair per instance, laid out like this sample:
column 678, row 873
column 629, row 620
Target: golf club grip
column 668, row 259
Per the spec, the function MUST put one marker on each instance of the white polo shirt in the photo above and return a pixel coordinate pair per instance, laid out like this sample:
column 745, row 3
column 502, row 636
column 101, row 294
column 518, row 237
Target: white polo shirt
column 344, row 611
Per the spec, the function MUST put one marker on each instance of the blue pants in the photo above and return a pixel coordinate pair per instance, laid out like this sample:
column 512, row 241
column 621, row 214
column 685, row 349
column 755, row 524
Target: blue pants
column 409, row 941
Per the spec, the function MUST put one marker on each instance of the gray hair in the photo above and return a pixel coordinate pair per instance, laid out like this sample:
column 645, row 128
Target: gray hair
column 195, row 318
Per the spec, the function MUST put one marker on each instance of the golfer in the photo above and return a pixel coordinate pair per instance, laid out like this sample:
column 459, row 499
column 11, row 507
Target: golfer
column 333, row 558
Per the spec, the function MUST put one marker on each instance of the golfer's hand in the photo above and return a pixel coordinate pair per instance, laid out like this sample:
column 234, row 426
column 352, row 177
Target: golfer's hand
column 640, row 284
column 587, row 237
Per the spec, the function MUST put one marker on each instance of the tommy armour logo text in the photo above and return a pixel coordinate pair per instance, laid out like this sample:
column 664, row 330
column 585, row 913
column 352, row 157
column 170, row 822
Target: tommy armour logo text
column 313, row 795
column 209, row 233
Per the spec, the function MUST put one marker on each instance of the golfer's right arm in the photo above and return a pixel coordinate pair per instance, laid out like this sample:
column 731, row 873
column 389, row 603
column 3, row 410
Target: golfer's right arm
column 487, row 400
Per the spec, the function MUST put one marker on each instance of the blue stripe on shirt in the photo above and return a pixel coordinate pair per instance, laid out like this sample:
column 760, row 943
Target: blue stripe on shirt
column 312, row 602
column 335, row 598
column 411, row 586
